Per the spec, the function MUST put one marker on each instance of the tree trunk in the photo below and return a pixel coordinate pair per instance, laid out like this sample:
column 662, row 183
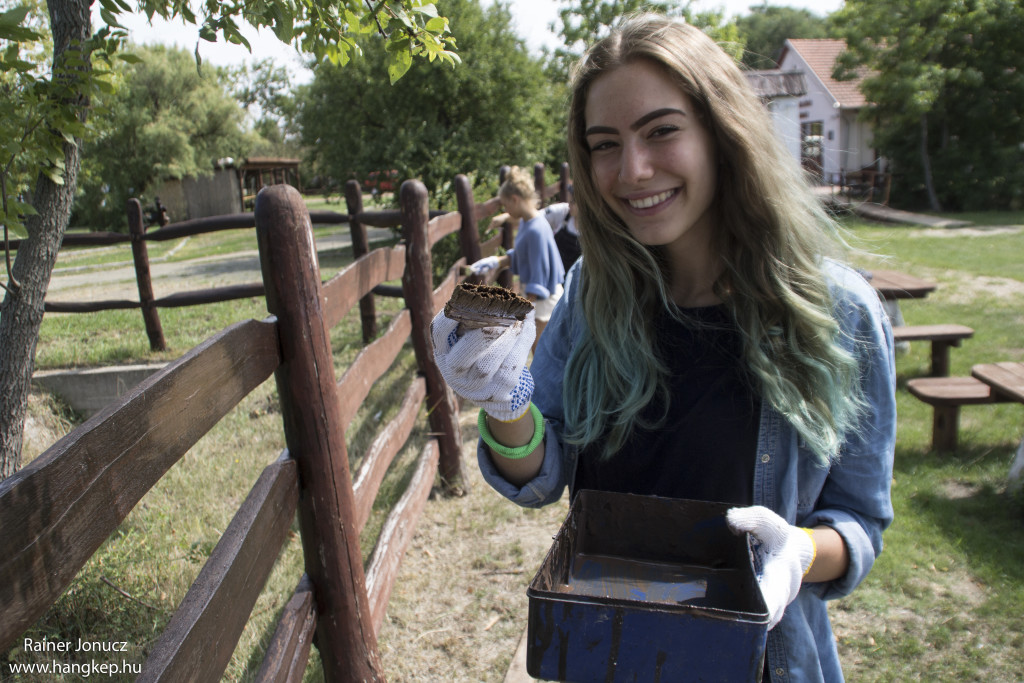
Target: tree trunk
column 22, row 310
column 926, row 165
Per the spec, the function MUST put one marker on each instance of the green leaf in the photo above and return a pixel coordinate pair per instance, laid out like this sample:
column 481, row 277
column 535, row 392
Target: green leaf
column 398, row 66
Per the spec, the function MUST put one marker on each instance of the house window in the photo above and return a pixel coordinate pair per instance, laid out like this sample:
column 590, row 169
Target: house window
column 811, row 153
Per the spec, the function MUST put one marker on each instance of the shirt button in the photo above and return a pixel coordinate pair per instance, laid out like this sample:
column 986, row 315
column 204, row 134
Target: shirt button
column 780, row 671
column 765, row 458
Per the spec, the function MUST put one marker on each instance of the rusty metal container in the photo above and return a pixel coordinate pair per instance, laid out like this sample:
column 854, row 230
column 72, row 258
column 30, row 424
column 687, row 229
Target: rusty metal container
column 640, row 588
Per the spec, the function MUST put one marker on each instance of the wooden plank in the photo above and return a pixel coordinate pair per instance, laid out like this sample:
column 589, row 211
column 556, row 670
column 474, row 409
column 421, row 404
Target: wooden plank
column 442, row 226
column 198, row 297
column 288, row 651
column 383, row 450
column 342, row 291
column 891, row 284
column 89, row 306
column 445, row 290
column 397, row 533
column 488, row 208
column 371, row 363
column 1006, row 378
column 57, row 511
column 360, row 248
column 489, row 247
column 315, row 437
column 948, row 332
column 198, row 226
column 944, row 391
column 199, row 640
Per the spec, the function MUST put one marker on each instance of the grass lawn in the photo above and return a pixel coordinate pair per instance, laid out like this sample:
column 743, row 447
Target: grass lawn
column 944, row 602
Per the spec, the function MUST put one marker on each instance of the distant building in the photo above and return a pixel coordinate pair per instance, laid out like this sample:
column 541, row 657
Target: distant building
column 229, row 189
column 833, row 142
column 781, row 92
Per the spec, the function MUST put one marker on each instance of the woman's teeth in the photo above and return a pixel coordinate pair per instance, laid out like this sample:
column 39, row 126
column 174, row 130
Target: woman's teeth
column 648, row 202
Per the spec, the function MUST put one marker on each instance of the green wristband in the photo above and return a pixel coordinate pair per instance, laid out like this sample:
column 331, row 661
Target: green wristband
column 513, row 453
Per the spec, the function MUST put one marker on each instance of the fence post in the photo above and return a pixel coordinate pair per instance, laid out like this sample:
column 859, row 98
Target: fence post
column 417, row 285
column 360, row 247
column 469, row 235
column 563, row 182
column 508, row 235
column 315, row 437
column 538, row 181
column 140, row 254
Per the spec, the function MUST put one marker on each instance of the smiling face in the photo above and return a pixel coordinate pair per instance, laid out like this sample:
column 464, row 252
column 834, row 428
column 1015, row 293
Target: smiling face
column 652, row 159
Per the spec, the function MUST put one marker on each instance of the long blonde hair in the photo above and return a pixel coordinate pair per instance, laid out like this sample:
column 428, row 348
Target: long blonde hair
column 771, row 235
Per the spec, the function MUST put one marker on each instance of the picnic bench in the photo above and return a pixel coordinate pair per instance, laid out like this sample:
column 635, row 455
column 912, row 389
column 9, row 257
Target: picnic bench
column 892, row 284
column 942, row 337
column 988, row 383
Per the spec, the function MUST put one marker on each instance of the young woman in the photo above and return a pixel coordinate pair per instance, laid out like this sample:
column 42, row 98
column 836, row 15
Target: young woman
column 709, row 346
column 534, row 258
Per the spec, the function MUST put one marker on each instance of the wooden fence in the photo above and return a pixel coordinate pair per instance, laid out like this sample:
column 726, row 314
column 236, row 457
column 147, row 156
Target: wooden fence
column 57, row 511
column 357, row 218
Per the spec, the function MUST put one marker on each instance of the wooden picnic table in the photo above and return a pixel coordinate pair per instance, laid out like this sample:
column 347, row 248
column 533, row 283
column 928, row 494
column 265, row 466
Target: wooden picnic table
column 892, row 284
column 1005, row 378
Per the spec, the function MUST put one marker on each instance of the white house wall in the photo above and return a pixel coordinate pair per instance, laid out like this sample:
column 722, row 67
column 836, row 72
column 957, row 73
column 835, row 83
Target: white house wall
column 819, row 105
column 785, row 113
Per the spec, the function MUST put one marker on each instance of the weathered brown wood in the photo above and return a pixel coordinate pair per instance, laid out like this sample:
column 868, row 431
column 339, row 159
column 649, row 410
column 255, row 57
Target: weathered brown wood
column 199, row 640
column 489, row 247
column 417, row 283
column 343, row 290
column 315, row 438
column 370, row 365
column 946, row 395
column 383, row 450
column 211, row 295
column 891, row 284
column 942, row 337
column 140, row 255
column 563, row 182
column 60, row 508
column 361, row 247
column 1006, row 378
column 440, row 227
column 88, row 306
column 469, row 234
column 445, row 290
column 397, row 533
column 85, row 239
column 199, row 226
column 288, row 652
column 324, row 217
column 487, row 209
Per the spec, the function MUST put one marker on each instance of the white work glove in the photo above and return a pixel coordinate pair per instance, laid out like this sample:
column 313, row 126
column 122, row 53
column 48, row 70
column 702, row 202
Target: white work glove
column 484, row 265
column 782, row 555
column 487, row 365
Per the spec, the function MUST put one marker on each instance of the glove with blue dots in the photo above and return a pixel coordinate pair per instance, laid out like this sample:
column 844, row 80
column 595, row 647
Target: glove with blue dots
column 487, row 365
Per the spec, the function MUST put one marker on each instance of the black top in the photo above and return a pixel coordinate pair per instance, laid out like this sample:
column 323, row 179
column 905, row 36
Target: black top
column 706, row 446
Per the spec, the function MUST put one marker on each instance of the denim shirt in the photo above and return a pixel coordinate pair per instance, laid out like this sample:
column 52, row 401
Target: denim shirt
column 852, row 495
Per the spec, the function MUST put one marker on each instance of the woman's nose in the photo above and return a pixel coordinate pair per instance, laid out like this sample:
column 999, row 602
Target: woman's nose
column 635, row 164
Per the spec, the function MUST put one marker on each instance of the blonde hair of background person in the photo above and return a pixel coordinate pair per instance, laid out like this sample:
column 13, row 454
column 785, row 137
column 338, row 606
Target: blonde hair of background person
column 538, row 263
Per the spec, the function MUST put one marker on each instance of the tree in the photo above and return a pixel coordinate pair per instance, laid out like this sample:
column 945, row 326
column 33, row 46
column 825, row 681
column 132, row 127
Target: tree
column 946, row 81
column 766, row 29
column 43, row 120
column 165, row 120
column 265, row 91
column 584, row 22
column 437, row 122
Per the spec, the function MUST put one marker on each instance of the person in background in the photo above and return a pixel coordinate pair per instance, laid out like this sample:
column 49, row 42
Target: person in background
column 534, row 256
column 711, row 344
column 562, row 219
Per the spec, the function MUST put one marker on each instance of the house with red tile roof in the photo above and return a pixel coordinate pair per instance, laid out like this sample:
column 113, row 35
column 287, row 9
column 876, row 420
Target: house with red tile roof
column 833, row 141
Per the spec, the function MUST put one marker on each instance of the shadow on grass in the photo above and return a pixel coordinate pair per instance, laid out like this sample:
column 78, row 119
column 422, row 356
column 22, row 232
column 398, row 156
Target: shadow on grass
column 963, row 496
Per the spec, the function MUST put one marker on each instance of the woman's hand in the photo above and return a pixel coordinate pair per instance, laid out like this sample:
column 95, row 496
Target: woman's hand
column 783, row 555
column 487, row 365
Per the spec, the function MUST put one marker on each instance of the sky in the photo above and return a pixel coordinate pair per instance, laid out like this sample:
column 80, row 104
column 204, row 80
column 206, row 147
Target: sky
column 531, row 18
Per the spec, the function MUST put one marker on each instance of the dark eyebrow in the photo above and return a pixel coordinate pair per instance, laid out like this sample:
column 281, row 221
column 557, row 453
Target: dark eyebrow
column 636, row 125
